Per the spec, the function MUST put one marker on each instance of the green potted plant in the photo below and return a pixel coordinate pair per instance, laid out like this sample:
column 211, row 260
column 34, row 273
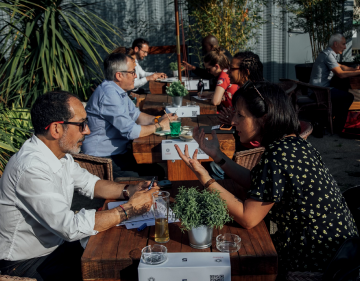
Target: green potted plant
column 177, row 91
column 174, row 68
column 199, row 212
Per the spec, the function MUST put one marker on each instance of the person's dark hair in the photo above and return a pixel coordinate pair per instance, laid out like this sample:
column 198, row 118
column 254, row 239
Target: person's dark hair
column 115, row 62
column 123, row 50
column 217, row 56
column 270, row 100
column 250, row 62
column 50, row 107
column 139, row 42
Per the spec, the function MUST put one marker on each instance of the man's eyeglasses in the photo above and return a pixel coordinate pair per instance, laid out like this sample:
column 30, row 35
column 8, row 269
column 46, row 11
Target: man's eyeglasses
column 82, row 124
column 146, row 53
column 130, row 72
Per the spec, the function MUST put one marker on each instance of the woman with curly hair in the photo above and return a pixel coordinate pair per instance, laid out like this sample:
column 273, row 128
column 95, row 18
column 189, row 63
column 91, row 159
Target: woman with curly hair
column 217, row 64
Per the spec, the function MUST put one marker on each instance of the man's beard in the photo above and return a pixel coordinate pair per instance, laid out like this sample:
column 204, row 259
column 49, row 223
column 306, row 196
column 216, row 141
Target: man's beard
column 66, row 147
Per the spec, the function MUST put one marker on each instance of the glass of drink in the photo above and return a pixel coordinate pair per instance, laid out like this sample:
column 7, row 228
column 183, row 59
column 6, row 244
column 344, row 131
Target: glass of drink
column 175, row 128
column 160, row 207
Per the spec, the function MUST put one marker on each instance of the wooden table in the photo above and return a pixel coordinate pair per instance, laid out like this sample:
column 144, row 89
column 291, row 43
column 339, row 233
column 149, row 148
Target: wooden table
column 355, row 90
column 115, row 254
column 147, row 150
column 154, row 104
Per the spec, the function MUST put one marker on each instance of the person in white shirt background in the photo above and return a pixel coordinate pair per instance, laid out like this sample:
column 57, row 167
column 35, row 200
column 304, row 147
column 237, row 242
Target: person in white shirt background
column 39, row 233
column 141, row 48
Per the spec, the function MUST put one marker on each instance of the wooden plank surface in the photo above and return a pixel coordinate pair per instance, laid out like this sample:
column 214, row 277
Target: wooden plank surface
column 148, row 149
column 154, row 104
column 115, row 253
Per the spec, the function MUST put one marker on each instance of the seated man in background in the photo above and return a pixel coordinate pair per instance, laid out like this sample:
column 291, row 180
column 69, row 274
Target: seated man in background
column 141, row 49
column 209, row 43
column 323, row 71
column 39, row 233
column 114, row 120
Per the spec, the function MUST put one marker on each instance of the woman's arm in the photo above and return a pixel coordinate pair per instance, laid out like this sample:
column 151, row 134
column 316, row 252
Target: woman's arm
column 219, row 92
column 247, row 213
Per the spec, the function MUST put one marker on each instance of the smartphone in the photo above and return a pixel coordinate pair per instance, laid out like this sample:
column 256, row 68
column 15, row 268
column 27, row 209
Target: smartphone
column 164, row 184
column 225, row 127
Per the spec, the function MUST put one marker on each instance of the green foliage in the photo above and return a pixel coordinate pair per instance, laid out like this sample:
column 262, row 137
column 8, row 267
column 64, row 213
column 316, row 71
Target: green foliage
column 319, row 18
column 173, row 66
column 235, row 23
column 15, row 126
column 357, row 59
column 50, row 45
column 176, row 89
column 195, row 208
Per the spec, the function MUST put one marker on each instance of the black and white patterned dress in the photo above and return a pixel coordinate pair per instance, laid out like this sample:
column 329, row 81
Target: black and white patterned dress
column 310, row 211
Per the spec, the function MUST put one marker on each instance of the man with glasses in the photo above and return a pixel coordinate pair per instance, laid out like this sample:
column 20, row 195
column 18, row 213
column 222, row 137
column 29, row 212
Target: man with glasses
column 114, row 120
column 141, row 48
column 39, row 233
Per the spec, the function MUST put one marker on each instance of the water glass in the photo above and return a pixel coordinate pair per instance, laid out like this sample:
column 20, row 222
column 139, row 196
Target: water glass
column 160, row 208
column 228, row 243
column 175, row 128
column 154, row 254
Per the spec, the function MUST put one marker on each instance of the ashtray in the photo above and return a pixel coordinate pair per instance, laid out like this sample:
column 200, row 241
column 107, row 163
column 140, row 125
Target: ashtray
column 186, row 137
column 228, row 243
column 154, row 254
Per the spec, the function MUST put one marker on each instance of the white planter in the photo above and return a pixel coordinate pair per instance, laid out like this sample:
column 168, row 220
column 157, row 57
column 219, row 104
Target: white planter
column 201, row 237
column 177, row 101
column 175, row 73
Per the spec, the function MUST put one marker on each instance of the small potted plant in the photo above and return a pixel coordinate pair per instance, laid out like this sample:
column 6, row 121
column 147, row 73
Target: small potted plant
column 199, row 212
column 174, row 68
column 177, row 91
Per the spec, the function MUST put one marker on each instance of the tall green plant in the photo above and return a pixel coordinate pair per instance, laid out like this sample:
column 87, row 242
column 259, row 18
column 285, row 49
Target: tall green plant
column 51, row 45
column 235, row 23
column 15, row 128
column 319, row 18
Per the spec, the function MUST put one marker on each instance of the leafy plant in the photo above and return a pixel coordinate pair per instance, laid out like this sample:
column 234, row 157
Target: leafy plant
column 319, row 18
column 195, row 208
column 176, row 89
column 357, row 59
column 15, row 128
column 173, row 66
column 235, row 23
column 50, row 45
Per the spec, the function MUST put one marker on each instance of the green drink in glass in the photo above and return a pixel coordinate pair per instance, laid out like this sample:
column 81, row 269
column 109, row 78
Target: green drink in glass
column 175, row 128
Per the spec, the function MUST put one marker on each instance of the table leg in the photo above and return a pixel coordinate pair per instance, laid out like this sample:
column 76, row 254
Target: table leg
column 178, row 171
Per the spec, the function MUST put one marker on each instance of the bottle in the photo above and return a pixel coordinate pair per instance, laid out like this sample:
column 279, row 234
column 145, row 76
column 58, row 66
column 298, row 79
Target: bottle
column 201, row 86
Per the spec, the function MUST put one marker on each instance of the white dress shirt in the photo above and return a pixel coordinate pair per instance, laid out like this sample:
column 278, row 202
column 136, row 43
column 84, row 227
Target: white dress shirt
column 140, row 80
column 36, row 191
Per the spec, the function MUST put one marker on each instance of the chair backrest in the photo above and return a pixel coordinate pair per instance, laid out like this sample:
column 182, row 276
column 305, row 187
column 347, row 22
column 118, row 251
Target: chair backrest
column 288, row 86
column 98, row 166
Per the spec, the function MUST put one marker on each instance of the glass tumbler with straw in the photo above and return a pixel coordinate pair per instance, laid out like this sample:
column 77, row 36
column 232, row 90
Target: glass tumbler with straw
column 160, row 208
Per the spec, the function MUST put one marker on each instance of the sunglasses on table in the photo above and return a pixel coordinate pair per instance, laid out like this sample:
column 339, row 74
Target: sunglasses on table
column 82, row 124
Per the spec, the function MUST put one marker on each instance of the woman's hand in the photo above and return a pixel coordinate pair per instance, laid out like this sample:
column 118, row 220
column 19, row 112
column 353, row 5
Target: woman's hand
column 193, row 164
column 210, row 147
column 226, row 115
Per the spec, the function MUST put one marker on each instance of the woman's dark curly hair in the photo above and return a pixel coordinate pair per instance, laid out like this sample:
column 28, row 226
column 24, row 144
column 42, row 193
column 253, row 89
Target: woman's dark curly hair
column 49, row 108
column 270, row 100
column 250, row 65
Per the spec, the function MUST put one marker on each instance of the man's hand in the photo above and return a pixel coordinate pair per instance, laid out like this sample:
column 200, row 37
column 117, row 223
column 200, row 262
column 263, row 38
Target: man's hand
column 138, row 187
column 139, row 203
column 187, row 66
column 156, row 76
column 164, row 121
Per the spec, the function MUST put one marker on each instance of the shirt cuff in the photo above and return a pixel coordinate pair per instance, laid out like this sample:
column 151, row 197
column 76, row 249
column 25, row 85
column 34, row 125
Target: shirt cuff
column 135, row 132
column 85, row 220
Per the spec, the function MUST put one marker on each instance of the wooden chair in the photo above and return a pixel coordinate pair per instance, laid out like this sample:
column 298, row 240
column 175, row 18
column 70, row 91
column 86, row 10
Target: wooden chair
column 288, row 87
column 98, row 166
column 320, row 102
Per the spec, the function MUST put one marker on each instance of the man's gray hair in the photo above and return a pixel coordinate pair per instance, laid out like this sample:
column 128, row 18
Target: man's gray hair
column 337, row 37
column 115, row 63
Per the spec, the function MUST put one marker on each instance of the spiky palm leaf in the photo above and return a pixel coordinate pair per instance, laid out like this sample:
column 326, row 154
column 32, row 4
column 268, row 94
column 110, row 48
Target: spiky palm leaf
column 51, row 45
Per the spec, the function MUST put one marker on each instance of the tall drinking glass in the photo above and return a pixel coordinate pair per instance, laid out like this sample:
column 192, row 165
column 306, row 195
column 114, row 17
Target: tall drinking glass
column 160, row 207
column 175, row 128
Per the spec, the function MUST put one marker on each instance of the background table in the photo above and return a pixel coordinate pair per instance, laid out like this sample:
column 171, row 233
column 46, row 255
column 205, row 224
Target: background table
column 115, row 254
column 154, row 104
column 147, row 149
